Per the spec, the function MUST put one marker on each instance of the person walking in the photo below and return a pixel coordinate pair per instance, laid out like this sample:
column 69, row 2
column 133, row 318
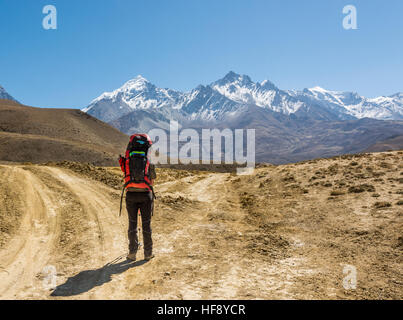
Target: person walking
column 139, row 180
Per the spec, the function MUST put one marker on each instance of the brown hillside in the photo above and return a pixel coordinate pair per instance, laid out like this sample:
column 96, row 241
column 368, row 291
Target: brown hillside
column 40, row 135
column 394, row 143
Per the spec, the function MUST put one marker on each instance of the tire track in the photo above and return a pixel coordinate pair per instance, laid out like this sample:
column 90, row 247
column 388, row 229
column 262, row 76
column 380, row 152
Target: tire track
column 98, row 201
column 27, row 253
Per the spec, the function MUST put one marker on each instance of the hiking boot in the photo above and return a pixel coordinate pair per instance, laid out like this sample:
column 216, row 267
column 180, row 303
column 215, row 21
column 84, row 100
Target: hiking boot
column 132, row 256
column 148, row 257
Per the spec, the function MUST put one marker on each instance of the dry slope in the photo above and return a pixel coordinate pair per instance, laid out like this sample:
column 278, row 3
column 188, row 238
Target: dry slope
column 39, row 135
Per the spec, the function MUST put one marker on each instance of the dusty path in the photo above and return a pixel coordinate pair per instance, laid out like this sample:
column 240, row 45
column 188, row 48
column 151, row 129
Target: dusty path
column 276, row 235
column 70, row 228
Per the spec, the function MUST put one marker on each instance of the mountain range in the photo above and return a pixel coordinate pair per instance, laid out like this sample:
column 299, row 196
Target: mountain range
column 230, row 94
column 290, row 125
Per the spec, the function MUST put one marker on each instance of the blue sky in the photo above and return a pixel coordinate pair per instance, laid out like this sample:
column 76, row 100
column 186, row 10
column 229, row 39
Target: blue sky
column 100, row 44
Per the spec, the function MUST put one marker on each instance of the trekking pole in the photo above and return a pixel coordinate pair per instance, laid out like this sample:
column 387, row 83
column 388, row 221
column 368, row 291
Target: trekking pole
column 121, row 200
column 139, row 228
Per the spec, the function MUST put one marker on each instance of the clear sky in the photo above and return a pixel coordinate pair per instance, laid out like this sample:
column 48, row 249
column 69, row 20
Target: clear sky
column 100, row 44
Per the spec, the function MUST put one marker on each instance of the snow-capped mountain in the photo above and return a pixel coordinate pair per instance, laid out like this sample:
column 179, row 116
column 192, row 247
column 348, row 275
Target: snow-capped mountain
column 290, row 125
column 230, row 94
column 351, row 103
column 265, row 94
column 135, row 94
column 4, row 94
column 213, row 101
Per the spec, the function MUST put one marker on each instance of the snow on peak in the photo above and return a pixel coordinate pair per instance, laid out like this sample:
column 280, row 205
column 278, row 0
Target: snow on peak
column 138, row 83
column 398, row 95
column 234, row 91
column 352, row 104
column 318, row 89
column 266, row 84
column 231, row 76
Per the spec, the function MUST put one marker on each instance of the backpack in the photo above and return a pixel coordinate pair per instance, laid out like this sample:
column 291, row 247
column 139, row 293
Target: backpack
column 136, row 165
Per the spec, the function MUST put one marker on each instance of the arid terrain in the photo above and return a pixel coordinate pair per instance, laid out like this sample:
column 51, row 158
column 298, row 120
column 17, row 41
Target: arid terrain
column 29, row 134
column 286, row 232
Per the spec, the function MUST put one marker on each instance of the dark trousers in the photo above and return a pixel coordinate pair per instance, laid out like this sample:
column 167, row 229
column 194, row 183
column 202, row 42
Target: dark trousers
column 145, row 202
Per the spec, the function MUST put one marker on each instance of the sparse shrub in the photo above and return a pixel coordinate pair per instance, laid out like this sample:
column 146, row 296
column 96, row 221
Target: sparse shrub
column 333, row 169
column 354, row 163
column 337, row 192
column 247, row 200
column 376, row 195
column 400, row 203
column 378, row 173
column 385, row 165
column 289, row 178
column 361, row 188
column 382, row 204
column 400, row 242
column 170, row 200
column 294, row 186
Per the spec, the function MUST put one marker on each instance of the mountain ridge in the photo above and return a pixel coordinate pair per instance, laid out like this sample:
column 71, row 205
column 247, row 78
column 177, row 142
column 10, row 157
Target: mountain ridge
column 5, row 95
column 233, row 91
column 290, row 126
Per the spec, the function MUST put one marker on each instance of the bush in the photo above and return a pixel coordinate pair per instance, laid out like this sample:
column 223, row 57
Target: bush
column 361, row 188
column 382, row 204
column 337, row 192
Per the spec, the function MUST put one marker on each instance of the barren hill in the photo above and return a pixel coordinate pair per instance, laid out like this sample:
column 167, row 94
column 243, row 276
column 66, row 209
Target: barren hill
column 29, row 134
column 393, row 143
column 286, row 232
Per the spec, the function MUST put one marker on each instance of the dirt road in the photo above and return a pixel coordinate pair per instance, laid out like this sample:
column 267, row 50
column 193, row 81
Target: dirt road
column 216, row 236
column 70, row 228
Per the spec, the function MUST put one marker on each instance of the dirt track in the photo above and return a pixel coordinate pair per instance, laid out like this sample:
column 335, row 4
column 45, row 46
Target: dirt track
column 216, row 236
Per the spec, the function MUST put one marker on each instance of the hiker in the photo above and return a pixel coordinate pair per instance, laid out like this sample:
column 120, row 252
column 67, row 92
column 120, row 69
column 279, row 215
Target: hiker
column 139, row 178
